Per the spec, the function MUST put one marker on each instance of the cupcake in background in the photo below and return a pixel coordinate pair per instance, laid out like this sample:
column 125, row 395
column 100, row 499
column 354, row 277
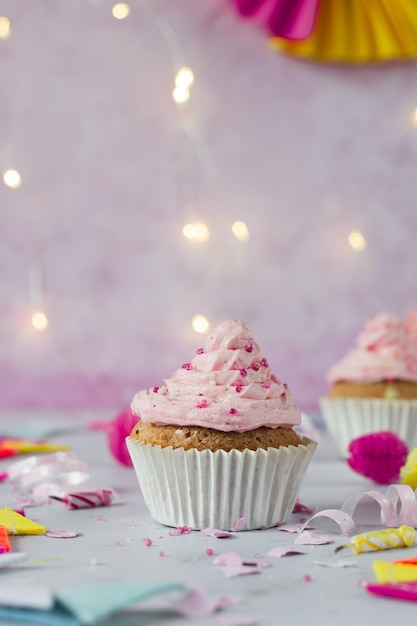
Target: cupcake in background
column 216, row 443
column 374, row 387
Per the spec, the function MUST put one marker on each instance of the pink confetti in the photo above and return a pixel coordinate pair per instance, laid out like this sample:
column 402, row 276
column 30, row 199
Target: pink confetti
column 335, row 564
column 62, row 534
column 287, row 551
column 3, row 476
column 196, row 603
column 292, row 528
column 214, row 532
column 228, row 558
column 307, row 538
column 147, row 541
column 181, row 530
column 162, row 554
column 239, row 524
column 299, row 507
column 235, row 566
column 307, row 578
column 209, row 552
column 99, row 518
column 236, row 620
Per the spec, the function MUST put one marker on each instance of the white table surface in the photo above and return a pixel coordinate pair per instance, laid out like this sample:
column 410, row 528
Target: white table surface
column 110, row 547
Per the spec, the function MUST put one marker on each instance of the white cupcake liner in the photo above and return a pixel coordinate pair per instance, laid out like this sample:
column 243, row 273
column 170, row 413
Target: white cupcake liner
column 349, row 418
column 215, row 489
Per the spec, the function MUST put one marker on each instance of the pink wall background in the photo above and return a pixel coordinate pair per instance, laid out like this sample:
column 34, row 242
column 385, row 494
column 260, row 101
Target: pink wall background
column 303, row 153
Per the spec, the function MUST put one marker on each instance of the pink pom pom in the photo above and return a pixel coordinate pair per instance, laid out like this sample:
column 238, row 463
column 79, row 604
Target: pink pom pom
column 378, row 456
column 119, row 429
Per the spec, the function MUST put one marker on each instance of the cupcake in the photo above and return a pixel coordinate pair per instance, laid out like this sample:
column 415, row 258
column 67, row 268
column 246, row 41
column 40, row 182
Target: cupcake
column 216, row 443
column 374, row 387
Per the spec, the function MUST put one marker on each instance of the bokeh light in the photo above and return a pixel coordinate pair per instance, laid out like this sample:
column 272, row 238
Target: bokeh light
column 240, row 231
column 184, row 78
column 12, row 178
column 120, row 10
column 4, row 28
column 200, row 324
column 196, row 232
column 39, row 321
column 357, row 240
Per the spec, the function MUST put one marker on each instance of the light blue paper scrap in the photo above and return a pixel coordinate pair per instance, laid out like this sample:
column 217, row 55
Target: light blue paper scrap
column 34, row 616
column 92, row 603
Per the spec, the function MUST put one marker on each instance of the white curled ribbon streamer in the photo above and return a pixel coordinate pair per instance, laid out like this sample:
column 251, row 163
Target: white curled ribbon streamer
column 48, row 473
column 398, row 506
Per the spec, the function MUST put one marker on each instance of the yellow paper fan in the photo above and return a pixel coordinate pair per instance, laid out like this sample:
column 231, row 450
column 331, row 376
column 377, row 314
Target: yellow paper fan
column 358, row 31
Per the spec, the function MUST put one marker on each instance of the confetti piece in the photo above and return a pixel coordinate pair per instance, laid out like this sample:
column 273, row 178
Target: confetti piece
column 236, row 620
column 335, row 564
column 10, row 558
column 286, row 551
column 147, row 542
column 300, row 508
column 17, row 524
column 239, row 524
column 4, row 540
column 181, row 530
column 62, row 534
column 219, row 534
column 292, row 528
column 307, row 538
column 22, row 446
column 86, row 499
column 228, row 558
column 196, row 603
column 381, row 540
column 26, row 596
column 386, row 572
column 401, row 591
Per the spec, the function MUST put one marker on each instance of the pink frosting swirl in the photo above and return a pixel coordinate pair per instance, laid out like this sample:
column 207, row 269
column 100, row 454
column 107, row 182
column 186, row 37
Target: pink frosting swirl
column 384, row 351
column 410, row 324
column 227, row 386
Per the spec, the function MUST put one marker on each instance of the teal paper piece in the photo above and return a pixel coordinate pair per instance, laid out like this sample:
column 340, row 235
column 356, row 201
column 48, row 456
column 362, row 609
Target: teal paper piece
column 34, row 616
column 92, row 603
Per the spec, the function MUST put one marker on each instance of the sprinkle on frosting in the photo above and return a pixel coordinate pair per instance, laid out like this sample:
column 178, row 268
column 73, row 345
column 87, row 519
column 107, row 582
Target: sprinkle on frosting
column 383, row 351
column 235, row 399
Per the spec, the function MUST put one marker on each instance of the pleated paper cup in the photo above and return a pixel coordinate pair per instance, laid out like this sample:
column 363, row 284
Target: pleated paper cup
column 205, row 489
column 348, row 418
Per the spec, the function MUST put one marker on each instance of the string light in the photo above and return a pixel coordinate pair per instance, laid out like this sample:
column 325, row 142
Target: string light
column 4, row 28
column 12, row 178
column 200, row 324
column 39, row 321
column 357, row 241
column 196, row 232
column 121, row 10
column 415, row 115
column 240, row 231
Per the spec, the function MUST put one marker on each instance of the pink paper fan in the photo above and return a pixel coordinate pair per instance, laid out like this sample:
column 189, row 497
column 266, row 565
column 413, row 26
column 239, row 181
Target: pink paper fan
column 119, row 429
column 378, row 456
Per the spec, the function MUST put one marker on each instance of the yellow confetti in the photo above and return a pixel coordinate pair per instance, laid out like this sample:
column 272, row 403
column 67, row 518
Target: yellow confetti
column 17, row 524
column 408, row 472
column 387, row 572
column 33, row 447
